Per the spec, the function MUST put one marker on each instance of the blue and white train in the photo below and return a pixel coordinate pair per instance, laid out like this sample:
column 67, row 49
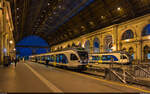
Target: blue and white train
column 71, row 58
column 118, row 57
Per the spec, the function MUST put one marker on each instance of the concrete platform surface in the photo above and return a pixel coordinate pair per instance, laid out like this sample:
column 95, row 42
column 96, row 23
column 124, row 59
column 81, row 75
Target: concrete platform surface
column 34, row 77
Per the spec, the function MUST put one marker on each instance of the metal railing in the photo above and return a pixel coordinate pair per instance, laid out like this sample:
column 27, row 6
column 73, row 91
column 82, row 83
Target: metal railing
column 139, row 71
column 118, row 75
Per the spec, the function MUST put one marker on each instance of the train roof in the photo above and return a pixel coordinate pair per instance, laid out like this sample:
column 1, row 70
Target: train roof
column 122, row 52
column 64, row 50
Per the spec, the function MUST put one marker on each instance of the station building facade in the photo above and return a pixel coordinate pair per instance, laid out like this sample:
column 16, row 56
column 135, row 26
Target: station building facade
column 7, row 43
column 132, row 36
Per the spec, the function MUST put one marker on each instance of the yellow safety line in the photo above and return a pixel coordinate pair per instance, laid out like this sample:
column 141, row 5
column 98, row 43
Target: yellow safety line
column 110, row 82
column 113, row 82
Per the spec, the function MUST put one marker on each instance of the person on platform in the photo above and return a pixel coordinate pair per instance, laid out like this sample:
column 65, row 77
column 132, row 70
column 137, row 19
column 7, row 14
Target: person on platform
column 16, row 62
column 47, row 62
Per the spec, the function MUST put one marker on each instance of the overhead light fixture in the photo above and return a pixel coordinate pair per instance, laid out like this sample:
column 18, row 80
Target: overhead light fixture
column 118, row 8
column 102, row 17
column 127, row 40
column 54, row 12
column 14, row 49
column 11, row 42
column 59, row 6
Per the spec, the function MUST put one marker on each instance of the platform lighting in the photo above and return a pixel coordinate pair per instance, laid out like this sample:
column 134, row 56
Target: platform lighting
column 59, row 6
column 148, row 37
column 127, row 40
column 54, row 13
column 113, row 48
column 5, row 50
column 17, row 8
column 48, row 4
column 14, row 49
column 118, row 8
column 11, row 42
column 83, row 45
column 102, row 17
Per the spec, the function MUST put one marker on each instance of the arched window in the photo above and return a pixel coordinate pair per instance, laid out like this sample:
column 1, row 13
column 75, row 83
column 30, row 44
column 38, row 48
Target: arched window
column 79, row 45
column 146, row 53
column 131, row 52
column 146, row 30
column 68, row 46
column 61, row 47
column 108, row 43
column 73, row 44
column 124, row 49
column 128, row 35
column 87, row 46
column 96, row 45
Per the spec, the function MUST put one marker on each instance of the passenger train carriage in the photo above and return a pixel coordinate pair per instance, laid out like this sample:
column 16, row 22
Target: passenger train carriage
column 74, row 58
column 118, row 57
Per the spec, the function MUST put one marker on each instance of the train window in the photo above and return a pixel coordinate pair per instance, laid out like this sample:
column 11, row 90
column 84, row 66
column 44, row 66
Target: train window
column 63, row 58
column 121, row 57
column 124, row 57
column 73, row 57
column 43, row 58
column 83, row 55
column 57, row 58
column 109, row 57
column 104, row 57
column 38, row 58
column 48, row 57
column 114, row 58
column 52, row 58
column 95, row 58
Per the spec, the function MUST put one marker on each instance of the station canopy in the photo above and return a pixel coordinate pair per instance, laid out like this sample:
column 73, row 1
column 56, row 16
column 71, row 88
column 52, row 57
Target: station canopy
column 57, row 21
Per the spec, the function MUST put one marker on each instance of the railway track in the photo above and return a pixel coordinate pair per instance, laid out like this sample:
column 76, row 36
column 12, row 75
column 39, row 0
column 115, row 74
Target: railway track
column 100, row 74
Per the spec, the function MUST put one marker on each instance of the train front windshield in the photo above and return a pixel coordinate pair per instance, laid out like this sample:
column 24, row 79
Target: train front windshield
column 83, row 55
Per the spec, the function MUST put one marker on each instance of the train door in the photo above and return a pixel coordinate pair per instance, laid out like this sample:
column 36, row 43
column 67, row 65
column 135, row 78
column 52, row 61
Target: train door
column 73, row 59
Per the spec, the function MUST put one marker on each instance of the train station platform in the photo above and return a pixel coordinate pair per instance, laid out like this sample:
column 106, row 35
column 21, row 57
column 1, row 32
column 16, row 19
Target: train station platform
column 33, row 77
